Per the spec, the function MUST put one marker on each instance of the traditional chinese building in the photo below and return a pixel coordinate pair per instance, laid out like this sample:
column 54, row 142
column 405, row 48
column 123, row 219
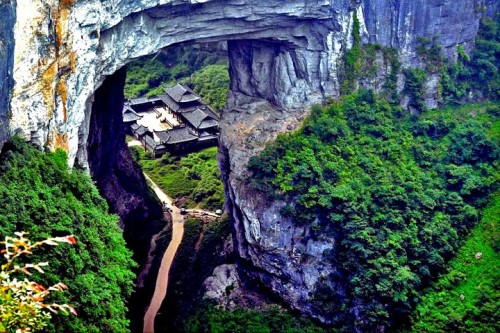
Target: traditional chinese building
column 175, row 122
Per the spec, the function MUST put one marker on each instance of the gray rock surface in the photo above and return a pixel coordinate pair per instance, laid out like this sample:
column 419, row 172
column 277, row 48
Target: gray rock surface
column 222, row 283
column 64, row 49
column 446, row 22
column 8, row 19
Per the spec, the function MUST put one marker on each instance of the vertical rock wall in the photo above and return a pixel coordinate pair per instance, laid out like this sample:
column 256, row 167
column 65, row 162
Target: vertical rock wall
column 119, row 179
column 7, row 22
column 445, row 22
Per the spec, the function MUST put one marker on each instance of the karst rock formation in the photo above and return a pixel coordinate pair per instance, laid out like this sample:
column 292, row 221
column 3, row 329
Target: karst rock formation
column 61, row 87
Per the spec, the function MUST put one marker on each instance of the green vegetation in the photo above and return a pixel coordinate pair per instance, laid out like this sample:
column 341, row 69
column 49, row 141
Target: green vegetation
column 270, row 320
column 212, row 83
column 200, row 242
column 353, row 60
column 430, row 53
column 144, row 75
column 205, row 72
column 359, row 63
column 397, row 192
column 467, row 297
column 479, row 72
column 195, row 176
column 38, row 195
column 22, row 306
column 414, row 87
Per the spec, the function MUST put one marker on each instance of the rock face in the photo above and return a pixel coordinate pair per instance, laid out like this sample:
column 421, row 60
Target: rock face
column 8, row 15
column 220, row 285
column 446, row 22
column 65, row 48
column 119, row 179
column 284, row 56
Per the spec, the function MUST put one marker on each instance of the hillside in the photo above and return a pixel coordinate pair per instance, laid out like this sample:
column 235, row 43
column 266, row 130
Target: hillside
column 392, row 195
column 39, row 196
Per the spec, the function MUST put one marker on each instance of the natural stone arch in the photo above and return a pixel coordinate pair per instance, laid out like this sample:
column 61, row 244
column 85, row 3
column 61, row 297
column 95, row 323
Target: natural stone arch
column 66, row 48
column 88, row 40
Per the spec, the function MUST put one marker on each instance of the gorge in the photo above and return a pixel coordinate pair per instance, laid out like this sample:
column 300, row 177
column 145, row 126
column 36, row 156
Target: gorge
column 62, row 62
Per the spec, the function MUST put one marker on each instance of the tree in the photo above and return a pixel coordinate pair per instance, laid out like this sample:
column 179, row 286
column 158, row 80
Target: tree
column 22, row 307
column 38, row 195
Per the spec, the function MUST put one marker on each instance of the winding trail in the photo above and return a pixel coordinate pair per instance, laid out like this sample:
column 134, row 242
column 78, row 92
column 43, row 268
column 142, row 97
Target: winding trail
column 168, row 257
column 166, row 262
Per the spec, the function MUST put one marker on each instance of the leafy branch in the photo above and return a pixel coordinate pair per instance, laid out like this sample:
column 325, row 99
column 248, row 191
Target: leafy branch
column 22, row 302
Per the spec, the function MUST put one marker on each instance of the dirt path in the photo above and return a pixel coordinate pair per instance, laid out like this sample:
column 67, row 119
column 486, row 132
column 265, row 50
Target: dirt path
column 166, row 262
column 168, row 257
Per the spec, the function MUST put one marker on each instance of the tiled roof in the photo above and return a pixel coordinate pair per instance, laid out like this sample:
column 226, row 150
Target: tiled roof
column 195, row 118
column 177, row 135
column 207, row 123
column 130, row 117
column 143, row 100
column 141, row 130
column 189, row 98
column 189, row 108
column 208, row 110
column 208, row 137
column 126, row 107
column 201, row 118
column 134, row 126
column 169, row 102
column 149, row 141
column 181, row 94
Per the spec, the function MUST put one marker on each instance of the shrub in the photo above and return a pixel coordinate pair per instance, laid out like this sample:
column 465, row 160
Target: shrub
column 22, row 307
column 414, row 87
column 43, row 198
column 398, row 193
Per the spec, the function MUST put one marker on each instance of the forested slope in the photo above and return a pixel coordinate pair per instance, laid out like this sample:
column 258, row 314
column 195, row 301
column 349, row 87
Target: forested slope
column 38, row 195
column 398, row 193
column 467, row 297
column 206, row 72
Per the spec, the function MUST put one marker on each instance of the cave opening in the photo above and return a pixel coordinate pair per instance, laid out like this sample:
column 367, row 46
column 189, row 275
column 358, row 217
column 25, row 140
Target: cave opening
column 136, row 115
column 253, row 80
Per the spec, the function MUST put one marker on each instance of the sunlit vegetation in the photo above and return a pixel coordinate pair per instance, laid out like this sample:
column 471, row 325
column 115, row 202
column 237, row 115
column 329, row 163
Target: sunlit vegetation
column 145, row 75
column 211, row 82
column 273, row 319
column 38, row 195
column 205, row 72
column 399, row 193
column 478, row 72
column 195, row 176
column 467, row 297
column 22, row 302
column 353, row 60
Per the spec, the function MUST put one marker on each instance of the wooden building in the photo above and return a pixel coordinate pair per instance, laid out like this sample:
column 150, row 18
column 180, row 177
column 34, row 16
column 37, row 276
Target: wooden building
column 190, row 124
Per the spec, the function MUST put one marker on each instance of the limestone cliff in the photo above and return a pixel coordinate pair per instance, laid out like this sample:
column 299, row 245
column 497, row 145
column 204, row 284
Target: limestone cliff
column 8, row 15
column 284, row 56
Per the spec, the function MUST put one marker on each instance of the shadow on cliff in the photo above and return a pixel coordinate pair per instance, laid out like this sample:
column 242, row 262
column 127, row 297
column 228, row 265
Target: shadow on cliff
column 120, row 180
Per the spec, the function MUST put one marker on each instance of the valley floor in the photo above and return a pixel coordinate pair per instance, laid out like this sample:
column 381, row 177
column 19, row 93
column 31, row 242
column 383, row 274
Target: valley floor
column 169, row 255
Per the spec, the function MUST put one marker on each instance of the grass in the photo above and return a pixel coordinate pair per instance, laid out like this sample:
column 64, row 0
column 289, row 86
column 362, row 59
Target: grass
column 195, row 176
column 467, row 298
